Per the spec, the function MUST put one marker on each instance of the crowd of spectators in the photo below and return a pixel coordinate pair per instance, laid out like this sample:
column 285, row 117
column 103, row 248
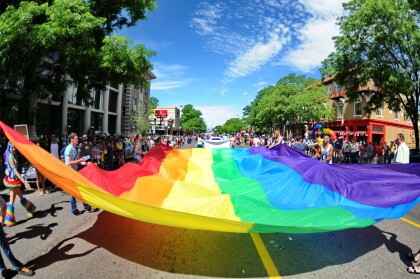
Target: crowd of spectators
column 345, row 151
column 109, row 152
column 106, row 151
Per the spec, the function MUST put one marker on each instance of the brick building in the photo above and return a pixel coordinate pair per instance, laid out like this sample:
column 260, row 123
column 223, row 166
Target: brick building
column 383, row 125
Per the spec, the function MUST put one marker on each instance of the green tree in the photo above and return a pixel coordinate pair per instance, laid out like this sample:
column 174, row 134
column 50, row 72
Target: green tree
column 218, row 129
column 139, row 116
column 48, row 45
column 192, row 120
column 139, row 119
column 293, row 101
column 234, row 125
column 379, row 43
column 153, row 104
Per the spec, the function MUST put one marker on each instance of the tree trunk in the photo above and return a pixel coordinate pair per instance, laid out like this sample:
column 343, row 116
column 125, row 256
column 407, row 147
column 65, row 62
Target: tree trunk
column 416, row 132
column 33, row 102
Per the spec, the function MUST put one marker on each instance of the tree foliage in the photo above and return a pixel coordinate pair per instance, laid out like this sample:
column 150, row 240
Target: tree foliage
column 234, row 125
column 153, row 104
column 192, row 120
column 47, row 45
column 379, row 43
column 139, row 120
column 120, row 13
column 218, row 129
column 292, row 101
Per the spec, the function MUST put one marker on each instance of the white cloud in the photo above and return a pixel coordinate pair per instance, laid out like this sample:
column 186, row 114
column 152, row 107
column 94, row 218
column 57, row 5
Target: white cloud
column 251, row 34
column 317, row 45
column 324, row 8
column 248, row 34
column 206, row 18
column 223, row 91
column 254, row 58
column 218, row 115
column 166, row 85
column 316, row 35
column 169, row 76
column 162, row 70
column 260, row 85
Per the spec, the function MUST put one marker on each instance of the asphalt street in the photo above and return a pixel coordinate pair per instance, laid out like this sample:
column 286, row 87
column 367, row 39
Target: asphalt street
column 56, row 244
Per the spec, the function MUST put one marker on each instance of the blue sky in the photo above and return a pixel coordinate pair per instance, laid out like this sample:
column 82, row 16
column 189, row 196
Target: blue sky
column 217, row 55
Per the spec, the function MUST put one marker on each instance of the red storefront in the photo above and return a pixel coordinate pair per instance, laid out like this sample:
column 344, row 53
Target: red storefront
column 367, row 130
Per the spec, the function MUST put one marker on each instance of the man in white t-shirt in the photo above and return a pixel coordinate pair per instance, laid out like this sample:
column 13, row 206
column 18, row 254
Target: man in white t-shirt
column 256, row 141
column 54, row 147
column 55, row 153
column 402, row 154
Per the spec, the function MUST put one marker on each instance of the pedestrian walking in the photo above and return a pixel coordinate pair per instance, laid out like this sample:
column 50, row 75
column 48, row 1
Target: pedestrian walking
column 70, row 157
column 13, row 180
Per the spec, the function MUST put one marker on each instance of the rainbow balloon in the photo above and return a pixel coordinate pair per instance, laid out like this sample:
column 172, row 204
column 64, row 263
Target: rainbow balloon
column 237, row 190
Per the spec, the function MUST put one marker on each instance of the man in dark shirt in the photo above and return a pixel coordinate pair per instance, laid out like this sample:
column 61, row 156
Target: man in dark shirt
column 301, row 146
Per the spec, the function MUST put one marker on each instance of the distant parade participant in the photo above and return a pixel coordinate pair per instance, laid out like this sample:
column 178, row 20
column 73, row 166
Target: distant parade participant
column 40, row 180
column 85, row 150
column 55, row 152
column 13, row 180
column 402, row 154
column 300, row 145
column 277, row 139
column 326, row 151
column 119, row 146
column 139, row 148
column 70, row 158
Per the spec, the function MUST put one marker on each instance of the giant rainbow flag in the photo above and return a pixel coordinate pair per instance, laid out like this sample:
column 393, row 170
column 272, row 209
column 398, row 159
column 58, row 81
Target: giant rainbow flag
column 237, row 189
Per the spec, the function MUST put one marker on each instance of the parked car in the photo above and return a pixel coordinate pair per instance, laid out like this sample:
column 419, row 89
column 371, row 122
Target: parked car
column 414, row 155
column 29, row 173
column 129, row 150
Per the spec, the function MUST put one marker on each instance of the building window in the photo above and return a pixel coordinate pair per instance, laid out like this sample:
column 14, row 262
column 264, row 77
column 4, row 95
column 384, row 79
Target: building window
column 330, row 89
column 338, row 87
column 72, row 94
column 378, row 112
column 396, row 115
column 98, row 99
column 340, row 106
column 358, row 107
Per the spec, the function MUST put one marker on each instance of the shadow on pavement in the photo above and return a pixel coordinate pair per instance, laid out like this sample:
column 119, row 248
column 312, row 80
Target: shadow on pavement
column 41, row 231
column 216, row 254
column 56, row 254
column 304, row 253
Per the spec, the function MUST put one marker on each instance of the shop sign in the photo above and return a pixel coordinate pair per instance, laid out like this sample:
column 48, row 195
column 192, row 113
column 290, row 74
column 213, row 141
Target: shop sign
column 161, row 112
